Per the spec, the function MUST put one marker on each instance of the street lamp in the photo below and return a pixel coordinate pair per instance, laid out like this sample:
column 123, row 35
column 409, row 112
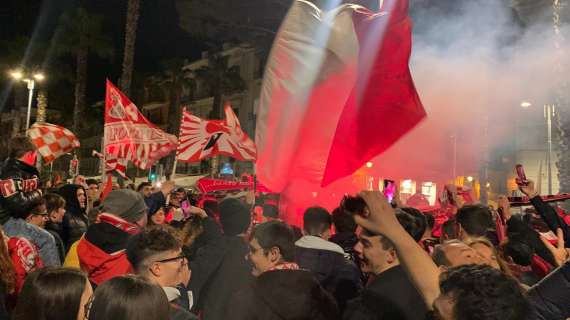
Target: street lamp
column 525, row 104
column 38, row 76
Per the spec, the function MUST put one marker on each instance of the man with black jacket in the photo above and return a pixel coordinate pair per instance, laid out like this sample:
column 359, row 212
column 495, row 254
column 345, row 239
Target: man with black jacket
column 326, row 260
column 19, row 180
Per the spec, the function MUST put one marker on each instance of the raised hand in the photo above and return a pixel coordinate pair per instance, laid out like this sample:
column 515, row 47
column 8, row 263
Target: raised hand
column 560, row 253
column 379, row 215
column 528, row 189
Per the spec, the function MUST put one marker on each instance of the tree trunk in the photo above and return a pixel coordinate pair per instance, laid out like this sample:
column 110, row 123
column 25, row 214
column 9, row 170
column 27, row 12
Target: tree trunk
column 174, row 117
column 80, row 87
column 133, row 12
column 42, row 106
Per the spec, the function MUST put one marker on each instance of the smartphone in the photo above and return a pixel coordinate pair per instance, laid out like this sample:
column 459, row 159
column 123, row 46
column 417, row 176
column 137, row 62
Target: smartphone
column 521, row 176
column 389, row 189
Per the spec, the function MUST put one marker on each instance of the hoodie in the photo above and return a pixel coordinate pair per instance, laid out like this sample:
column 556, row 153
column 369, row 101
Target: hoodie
column 102, row 251
column 75, row 221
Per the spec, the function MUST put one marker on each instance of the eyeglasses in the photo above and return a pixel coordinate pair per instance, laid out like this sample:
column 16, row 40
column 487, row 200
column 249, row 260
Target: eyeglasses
column 87, row 307
column 42, row 214
column 181, row 257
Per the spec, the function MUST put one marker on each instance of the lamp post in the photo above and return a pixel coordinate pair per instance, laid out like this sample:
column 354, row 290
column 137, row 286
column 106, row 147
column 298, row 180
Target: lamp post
column 549, row 112
column 31, row 82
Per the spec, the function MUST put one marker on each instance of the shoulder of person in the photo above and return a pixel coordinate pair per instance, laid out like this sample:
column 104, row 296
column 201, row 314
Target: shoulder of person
column 177, row 313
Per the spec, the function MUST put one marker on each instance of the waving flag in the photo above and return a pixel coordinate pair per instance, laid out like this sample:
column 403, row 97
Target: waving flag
column 129, row 136
column 52, row 141
column 337, row 92
column 201, row 139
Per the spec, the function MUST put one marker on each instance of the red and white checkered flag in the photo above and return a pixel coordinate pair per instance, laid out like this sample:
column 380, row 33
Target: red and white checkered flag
column 52, row 140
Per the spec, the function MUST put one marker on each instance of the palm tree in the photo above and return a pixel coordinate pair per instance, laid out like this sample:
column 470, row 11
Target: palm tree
column 219, row 78
column 133, row 12
column 80, row 35
column 173, row 81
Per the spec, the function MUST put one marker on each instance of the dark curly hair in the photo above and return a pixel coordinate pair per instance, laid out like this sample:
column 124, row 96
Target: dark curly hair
column 150, row 242
column 483, row 293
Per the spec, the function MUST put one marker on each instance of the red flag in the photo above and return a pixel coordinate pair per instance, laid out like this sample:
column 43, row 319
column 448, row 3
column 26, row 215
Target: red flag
column 129, row 136
column 52, row 141
column 201, row 139
column 337, row 92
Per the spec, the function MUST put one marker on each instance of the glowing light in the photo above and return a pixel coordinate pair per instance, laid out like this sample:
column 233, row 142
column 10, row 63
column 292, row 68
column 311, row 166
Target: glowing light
column 315, row 194
column 428, row 184
column 407, row 184
column 369, row 164
column 526, row 104
column 39, row 76
column 470, row 179
column 488, row 185
column 159, row 184
column 17, row 75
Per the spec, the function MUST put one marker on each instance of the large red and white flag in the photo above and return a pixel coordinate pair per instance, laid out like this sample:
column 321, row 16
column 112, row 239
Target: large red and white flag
column 201, row 139
column 337, row 92
column 52, row 141
column 129, row 136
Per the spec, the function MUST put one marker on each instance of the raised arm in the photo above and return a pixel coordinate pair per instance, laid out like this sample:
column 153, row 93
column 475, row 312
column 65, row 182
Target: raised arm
column 420, row 267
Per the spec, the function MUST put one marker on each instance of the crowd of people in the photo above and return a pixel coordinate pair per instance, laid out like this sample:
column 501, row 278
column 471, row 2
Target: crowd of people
column 144, row 254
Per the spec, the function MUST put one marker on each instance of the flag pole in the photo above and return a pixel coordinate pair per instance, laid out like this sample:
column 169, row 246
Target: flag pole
column 173, row 174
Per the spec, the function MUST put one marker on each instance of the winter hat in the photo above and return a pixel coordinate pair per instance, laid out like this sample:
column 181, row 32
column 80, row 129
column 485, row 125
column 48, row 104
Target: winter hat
column 125, row 204
column 234, row 217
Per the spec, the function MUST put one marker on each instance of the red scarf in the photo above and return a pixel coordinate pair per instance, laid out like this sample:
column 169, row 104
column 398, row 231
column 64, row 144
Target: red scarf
column 285, row 266
column 119, row 223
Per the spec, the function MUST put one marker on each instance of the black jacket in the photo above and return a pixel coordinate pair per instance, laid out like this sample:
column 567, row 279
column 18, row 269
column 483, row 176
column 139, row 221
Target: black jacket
column 390, row 296
column 283, row 295
column 206, row 254
column 19, row 189
column 55, row 229
column 551, row 296
column 232, row 275
column 347, row 241
column 335, row 272
column 75, row 221
column 551, row 217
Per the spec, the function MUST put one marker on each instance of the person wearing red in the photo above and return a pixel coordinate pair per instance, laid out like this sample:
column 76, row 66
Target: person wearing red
column 102, row 250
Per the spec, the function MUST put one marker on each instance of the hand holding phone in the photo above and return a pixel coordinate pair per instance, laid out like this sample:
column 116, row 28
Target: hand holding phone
column 389, row 189
column 521, row 179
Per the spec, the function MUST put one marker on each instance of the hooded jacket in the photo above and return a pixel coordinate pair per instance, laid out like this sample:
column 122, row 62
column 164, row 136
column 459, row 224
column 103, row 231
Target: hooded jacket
column 75, row 221
column 102, row 251
column 19, row 189
column 332, row 267
column 283, row 295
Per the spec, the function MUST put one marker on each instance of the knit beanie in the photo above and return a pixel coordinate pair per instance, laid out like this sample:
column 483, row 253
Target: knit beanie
column 234, row 217
column 125, row 204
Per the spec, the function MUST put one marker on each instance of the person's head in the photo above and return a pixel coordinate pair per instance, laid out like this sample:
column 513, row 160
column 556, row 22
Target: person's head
column 7, row 273
column 376, row 253
column 127, row 205
column 75, row 198
column 270, row 212
column 271, row 243
column 22, row 148
column 39, row 215
column 414, row 223
column 145, row 188
column 234, row 217
column 157, row 255
column 420, row 224
column 474, row 220
column 130, row 297
column 479, row 292
column 157, row 216
column 489, row 254
column 449, row 230
column 92, row 184
column 191, row 230
column 343, row 221
column 317, row 222
column 455, row 253
column 517, row 252
column 55, row 205
column 54, row 293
